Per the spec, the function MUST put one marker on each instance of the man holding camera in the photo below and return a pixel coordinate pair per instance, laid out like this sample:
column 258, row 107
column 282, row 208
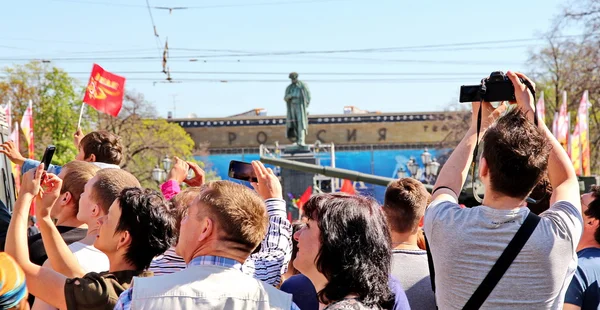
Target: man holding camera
column 470, row 246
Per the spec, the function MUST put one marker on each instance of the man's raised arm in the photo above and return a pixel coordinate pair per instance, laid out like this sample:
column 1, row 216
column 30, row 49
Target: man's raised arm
column 453, row 174
column 560, row 168
column 60, row 256
column 42, row 282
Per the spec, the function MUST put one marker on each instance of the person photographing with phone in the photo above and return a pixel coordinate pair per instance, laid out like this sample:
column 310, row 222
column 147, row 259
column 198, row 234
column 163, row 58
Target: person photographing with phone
column 469, row 247
column 102, row 148
column 269, row 261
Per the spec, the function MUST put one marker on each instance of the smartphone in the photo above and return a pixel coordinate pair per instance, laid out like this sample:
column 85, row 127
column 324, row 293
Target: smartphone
column 242, row 171
column 48, row 154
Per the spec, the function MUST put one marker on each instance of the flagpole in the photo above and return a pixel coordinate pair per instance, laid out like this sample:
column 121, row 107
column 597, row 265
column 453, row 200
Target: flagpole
column 80, row 115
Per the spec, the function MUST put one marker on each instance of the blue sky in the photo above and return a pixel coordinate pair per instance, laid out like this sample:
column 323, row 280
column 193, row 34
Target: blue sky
column 76, row 33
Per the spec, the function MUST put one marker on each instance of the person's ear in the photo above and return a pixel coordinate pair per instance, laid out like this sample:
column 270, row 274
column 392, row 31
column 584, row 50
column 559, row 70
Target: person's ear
column 207, row 229
column 97, row 211
column 91, row 158
column 484, row 170
column 66, row 198
column 124, row 240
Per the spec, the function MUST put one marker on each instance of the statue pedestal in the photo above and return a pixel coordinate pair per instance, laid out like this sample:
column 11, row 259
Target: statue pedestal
column 295, row 182
column 295, row 149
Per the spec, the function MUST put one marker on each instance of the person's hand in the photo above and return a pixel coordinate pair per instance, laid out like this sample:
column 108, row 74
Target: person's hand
column 77, row 136
column 524, row 97
column 12, row 152
column 198, row 178
column 489, row 114
column 51, row 186
column 268, row 185
column 32, row 180
column 179, row 171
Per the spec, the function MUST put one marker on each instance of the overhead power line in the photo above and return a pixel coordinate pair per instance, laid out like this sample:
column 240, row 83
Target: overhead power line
column 286, row 73
column 216, row 6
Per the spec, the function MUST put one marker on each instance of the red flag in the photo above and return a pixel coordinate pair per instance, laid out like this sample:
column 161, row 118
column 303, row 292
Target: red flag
column 584, row 133
column 27, row 127
column 347, row 187
column 105, row 91
column 541, row 109
column 575, row 150
column 304, row 198
column 8, row 111
column 562, row 124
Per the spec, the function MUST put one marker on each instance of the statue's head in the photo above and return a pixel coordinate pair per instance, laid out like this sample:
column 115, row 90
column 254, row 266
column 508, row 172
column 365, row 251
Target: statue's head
column 294, row 77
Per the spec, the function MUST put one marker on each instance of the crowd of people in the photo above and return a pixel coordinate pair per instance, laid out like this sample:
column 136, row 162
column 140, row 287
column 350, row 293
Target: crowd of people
column 104, row 242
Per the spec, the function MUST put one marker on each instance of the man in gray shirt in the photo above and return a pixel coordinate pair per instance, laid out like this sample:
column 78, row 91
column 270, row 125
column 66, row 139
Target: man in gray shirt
column 466, row 243
column 404, row 206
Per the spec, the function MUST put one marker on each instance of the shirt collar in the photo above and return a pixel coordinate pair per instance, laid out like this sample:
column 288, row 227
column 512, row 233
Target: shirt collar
column 215, row 261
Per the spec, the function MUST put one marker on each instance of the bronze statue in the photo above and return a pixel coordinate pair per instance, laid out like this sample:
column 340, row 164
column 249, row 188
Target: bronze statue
column 297, row 97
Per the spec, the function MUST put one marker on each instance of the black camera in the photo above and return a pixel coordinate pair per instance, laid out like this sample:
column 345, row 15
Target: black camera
column 497, row 87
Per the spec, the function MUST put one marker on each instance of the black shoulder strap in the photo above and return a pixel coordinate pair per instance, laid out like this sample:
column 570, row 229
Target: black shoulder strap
column 504, row 261
column 430, row 263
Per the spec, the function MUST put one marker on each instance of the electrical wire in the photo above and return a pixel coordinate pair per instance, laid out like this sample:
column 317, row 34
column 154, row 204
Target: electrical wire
column 217, row 6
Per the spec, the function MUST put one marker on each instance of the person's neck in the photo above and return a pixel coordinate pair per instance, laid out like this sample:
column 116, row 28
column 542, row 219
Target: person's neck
column 501, row 202
column 117, row 262
column 587, row 243
column 91, row 235
column 70, row 221
column 404, row 241
column 220, row 248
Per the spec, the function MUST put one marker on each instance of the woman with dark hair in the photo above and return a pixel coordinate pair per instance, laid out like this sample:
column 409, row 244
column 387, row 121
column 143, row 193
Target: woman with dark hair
column 344, row 250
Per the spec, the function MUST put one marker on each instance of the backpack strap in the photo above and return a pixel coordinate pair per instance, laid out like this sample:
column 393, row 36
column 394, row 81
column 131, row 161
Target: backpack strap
column 431, row 268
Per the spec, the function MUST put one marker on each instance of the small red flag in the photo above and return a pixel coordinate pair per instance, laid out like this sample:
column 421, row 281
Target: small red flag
column 304, row 198
column 347, row 187
column 105, row 91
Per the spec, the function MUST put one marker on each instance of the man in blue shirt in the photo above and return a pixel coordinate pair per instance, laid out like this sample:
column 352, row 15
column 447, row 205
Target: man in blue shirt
column 583, row 292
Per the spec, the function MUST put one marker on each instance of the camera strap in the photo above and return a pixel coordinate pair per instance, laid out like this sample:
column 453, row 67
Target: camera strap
column 482, row 91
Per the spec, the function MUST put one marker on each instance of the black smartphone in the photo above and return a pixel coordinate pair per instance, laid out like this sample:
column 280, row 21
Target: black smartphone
column 48, row 154
column 242, row 171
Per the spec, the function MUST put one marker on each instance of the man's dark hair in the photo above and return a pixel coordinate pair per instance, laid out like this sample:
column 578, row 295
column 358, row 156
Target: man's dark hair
column 110, row 182
column 105, row 146
column 355, row 253
column 593, row 209
column 542, row 193
column 404, row 204
column 516, row 152
column 148, row 218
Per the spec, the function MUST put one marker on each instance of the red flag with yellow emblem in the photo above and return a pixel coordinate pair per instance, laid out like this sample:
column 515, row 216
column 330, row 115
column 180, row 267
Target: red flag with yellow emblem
column 105, row 91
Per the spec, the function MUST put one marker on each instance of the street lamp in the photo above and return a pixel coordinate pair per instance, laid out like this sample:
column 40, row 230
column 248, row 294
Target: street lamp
column 167, row 163
column 158, row 175
column 401, row 173
column 435, row 166
column 426, row 157
column 412, row 166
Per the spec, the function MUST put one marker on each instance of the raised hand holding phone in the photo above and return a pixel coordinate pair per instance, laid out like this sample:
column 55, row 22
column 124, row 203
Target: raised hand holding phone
column 242, row 171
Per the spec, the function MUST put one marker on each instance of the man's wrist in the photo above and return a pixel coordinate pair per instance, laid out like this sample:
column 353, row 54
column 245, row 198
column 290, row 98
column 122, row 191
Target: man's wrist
column 27, row 196
column 19, row 161
column 43, row 214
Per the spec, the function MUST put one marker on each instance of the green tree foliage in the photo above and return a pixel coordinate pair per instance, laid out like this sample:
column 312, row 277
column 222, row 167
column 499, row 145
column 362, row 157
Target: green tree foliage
column 146, row 138
column 56, row 101
column 56, row 106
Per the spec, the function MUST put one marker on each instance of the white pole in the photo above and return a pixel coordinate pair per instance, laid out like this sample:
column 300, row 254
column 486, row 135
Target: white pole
column 80, row 115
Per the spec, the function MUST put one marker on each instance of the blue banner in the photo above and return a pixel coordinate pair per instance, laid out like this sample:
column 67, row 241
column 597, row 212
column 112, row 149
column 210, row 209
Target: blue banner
column 387, row 163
